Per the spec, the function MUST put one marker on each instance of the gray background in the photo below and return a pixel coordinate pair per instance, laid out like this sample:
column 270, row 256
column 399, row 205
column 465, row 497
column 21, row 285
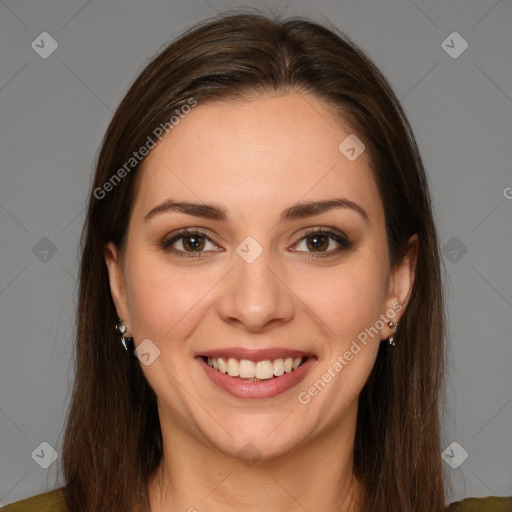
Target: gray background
column 54, row 112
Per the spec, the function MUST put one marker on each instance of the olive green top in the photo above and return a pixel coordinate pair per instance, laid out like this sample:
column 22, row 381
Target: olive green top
column 489, row 504
column 53, row 501
column 49, row 501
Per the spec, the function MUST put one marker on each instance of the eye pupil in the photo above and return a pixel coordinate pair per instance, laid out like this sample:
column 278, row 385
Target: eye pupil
column 317, row 241
column 196, row 242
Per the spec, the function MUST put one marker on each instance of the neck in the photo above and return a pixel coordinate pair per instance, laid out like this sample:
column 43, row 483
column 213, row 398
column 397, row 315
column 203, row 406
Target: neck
column 317, row 475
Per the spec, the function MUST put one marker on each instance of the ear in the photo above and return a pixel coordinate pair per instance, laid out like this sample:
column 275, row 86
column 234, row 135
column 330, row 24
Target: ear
column 400, row 284
column 117, row 283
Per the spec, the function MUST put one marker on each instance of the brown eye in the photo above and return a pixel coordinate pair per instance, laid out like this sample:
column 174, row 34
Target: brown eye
column 319, row 241
column 192, row 244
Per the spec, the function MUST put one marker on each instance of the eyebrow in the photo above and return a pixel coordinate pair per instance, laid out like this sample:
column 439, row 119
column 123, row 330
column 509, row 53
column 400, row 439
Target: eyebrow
column 216, row 212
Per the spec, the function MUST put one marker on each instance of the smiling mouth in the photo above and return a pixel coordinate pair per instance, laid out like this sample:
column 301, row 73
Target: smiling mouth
column 255, row 371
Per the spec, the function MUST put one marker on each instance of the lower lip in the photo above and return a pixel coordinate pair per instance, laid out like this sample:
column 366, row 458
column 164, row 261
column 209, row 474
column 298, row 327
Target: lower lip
column 264, row 389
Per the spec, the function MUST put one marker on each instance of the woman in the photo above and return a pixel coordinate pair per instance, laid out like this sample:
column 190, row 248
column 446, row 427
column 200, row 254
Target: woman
column 260, row 234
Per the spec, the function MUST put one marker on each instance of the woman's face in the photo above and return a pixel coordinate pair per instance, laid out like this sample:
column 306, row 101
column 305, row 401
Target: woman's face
column 250, row 287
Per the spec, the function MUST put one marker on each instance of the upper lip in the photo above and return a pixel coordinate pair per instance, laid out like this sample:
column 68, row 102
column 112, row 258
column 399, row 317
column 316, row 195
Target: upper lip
column 253, row 354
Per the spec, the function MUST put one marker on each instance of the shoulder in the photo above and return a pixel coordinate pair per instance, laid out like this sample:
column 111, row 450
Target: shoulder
column 52, row 501
column 489, row 504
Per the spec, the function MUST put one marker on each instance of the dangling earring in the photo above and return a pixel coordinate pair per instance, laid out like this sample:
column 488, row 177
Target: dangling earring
column 391, row 339
column 121, row 329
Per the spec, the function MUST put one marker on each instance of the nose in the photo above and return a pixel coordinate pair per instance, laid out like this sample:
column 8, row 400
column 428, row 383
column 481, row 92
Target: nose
column 256, row 294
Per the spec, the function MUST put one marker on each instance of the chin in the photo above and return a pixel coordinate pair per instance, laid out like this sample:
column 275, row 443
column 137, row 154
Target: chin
column 252, row 441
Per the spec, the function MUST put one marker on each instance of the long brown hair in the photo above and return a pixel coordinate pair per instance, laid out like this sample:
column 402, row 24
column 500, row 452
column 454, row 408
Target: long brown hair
column 112, row 441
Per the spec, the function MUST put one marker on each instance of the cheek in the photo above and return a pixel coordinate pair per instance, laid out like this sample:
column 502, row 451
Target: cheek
column 347, row 298
column 349, row 301
column 165, row 301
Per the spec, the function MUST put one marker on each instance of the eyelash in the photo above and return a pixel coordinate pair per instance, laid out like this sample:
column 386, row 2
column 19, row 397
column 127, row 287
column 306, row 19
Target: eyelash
column 341, row 239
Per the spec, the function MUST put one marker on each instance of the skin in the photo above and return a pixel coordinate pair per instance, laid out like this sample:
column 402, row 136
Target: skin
column 256, row 157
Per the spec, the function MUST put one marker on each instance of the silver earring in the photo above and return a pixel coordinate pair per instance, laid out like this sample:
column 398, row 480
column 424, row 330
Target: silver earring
column 121, row 329
column 391, row 339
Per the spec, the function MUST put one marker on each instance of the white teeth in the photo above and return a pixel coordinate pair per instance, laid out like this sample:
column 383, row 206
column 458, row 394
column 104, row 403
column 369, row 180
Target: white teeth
column 223, row 367
column 262, row 370
column 233, row 367
column 278, row 365
column 246, row 369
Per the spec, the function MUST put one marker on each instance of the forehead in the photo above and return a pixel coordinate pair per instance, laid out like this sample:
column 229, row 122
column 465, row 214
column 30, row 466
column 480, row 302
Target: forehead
column 265, row 152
